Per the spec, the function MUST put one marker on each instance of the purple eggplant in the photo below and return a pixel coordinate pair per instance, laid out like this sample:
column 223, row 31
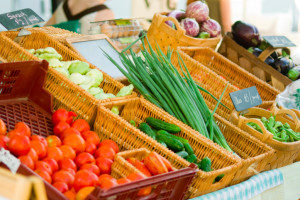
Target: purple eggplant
column 198, row 10
column 245, row 34
column 177, row 14
column 284, row 65
column 212, row 27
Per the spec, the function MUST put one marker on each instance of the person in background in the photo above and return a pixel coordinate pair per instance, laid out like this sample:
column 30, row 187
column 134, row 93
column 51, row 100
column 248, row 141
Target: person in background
column 85, row 11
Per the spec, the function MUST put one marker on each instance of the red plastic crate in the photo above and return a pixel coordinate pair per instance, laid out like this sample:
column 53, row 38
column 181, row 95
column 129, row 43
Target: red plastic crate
column 22, row 98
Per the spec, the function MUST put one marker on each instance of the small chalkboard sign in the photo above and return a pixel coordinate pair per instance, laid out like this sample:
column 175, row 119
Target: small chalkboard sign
column 91, row 47
column 246, row 98
column 278, row 41
column 19, row 19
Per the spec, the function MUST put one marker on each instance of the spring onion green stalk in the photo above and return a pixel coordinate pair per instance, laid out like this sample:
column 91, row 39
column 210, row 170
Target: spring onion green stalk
column 156, row 78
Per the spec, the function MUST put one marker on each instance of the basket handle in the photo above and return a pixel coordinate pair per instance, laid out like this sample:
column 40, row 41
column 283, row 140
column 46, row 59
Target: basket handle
column 180, row 30
column 265, row 133
column 294, row 116
column 268, row 51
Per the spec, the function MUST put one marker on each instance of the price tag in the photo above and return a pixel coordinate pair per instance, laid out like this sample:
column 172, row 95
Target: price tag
column 246, row 98
column 9, row 160
column 20, row 18
column 278, row 41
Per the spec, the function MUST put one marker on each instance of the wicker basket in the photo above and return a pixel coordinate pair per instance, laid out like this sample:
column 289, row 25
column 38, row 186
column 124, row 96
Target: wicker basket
column 255, row 65
column 165, row 36
column 285, row 152
column 254, row 154
column 121, row 168
column 62, row 89
column 230, row 71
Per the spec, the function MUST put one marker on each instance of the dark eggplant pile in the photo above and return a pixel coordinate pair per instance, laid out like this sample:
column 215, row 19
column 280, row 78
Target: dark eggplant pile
column 247, row 35
column 195, row 21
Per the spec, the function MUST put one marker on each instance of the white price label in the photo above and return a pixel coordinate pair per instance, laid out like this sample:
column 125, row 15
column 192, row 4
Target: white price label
column 9, row 160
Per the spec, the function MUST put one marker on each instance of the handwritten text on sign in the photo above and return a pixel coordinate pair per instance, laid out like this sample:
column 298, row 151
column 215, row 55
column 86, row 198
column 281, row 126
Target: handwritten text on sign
column 279, row 41
column 246, row 98
column 20, row 18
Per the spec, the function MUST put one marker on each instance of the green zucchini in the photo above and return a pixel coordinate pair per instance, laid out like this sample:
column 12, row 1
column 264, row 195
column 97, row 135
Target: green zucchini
column 161, row 125
column 147, row 129
column 182, row 154
column 206, row 164
column 191, row 158
column 173, row 144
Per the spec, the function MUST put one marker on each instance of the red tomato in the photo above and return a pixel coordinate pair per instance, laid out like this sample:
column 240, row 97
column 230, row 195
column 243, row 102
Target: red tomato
column 55, row 153
column 19, row 145
column 60, row 127
column 53, row 164
column 123, row 181
column 69, row 131
column 23, row 128
column 81, row 125
column 26, row 160
column 63, row 176
column 91, row 167
column 90, row 148
column 61, row 186
column 40, row 138
column 13, row 133
column 67, row 163
column 53, row 141
column 43, row 166
column 104, row 165
column 91, row 136
column 68, row 152
column 71, row 171
column 111, row 144
column 84, row 178
column 84, row 158
column 105, row 182
column 39, row 148
column 70, row 194
column 106, row 152
column 61, row 115
column 34, row 156
column 44, row 175
column 76, row 142
column 4, row 141
column 2, row 127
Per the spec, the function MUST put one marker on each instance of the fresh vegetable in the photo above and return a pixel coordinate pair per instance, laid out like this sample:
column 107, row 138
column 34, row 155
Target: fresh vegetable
column 294, row 73
column 155, row 164
column 284, row 65
column 139, row 165
column 182, row 154
column 212, row 27
column 198, row 10
column 79, row 67
column 204, row 35
column 160, row 82
column 190, row 26
column 281, row 132
column 161, row 125
column 177, row 14
column 173, row 144
column 206, row 164
column 126, row 90
column 147, row 129
column 245, row 34
column 191, row 158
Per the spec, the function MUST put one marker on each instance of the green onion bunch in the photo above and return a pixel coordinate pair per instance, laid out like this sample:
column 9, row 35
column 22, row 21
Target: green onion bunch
column 156, row 78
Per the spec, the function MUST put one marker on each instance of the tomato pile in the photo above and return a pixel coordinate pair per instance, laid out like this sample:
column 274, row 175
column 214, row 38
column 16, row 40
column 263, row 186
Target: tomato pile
column 73, row 160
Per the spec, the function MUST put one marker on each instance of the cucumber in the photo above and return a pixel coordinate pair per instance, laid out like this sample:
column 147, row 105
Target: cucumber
column 173, row 144
column 188, row 148
column 185, row 143
column 147, row 129
column 191, row 158
column 162, row 143
column 161, row 125
column 182, row 154
column 206, row 164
